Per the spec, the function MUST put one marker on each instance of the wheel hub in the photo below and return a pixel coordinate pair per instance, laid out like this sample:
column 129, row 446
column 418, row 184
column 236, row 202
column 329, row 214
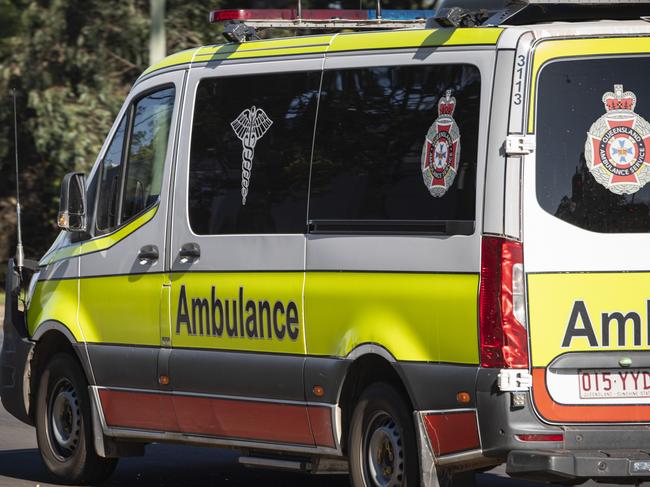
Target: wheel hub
column 65, row 418
column 385, row 452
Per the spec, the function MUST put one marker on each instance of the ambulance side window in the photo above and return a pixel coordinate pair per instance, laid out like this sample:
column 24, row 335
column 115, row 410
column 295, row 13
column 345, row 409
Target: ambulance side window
column 131, row 172
column 373, row 124
column 109, row 181
column 147, row 152
column 250, row 152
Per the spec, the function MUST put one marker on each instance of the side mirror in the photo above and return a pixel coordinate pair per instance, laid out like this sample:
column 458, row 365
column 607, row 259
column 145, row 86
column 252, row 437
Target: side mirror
column 72, row 208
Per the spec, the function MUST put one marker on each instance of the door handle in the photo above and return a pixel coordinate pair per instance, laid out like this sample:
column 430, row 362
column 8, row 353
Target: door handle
column 147, row 254
column 189, row 252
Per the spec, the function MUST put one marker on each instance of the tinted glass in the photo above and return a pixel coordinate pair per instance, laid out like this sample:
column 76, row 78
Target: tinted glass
column 373, row 124
column 251, row 146
column 109, row 181
column 580, row 142
column 148, row 148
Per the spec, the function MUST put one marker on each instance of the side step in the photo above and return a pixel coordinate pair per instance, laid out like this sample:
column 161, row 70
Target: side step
column 276, row 464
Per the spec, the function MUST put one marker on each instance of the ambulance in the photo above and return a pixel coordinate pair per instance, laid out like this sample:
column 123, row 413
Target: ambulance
column 409, row 249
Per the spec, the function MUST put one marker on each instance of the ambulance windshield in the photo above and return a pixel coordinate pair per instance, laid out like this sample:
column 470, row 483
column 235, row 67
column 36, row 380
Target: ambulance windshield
column 593, row 139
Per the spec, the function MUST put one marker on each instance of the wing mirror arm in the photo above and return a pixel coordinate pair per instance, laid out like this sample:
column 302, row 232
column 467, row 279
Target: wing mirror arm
column 72, row 206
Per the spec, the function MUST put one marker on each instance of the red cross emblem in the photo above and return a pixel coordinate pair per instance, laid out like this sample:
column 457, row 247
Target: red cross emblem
column 441, row 150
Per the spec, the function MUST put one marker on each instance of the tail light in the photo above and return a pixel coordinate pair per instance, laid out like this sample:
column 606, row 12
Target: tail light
column 502, row 309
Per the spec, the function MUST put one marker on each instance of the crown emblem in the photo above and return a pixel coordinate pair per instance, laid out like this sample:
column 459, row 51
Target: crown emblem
column 619, row 99
column 447, row 104
column 441, row 149
column 617, row 145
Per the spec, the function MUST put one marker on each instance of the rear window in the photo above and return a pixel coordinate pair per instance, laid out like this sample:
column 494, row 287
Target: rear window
column 396, row 150
column 593, row 140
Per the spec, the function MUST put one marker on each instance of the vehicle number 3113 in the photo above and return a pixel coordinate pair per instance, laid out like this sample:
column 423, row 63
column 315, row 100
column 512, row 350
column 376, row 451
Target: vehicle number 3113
column 632, row 383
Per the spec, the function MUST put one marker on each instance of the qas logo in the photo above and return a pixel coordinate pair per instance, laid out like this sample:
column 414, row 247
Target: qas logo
column 617, row 145
column 441, row 150
column 250, row 126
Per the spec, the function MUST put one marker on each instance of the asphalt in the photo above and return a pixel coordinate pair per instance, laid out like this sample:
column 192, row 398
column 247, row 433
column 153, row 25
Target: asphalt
column 176, row 465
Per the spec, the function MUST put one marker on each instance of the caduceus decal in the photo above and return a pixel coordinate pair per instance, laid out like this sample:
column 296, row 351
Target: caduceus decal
column 250, row 126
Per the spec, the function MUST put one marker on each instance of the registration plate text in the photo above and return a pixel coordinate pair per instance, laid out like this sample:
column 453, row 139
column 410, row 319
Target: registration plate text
column 614, row 383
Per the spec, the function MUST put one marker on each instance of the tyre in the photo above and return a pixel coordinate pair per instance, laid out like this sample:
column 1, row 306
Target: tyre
column 382, row 446
column 64, row 426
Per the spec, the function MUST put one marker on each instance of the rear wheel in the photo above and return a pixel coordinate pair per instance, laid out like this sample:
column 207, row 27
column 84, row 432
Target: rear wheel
column 382, row 445
column 63, row 425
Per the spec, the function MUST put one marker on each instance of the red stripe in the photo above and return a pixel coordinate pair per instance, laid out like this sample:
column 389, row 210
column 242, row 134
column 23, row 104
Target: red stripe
column 452, row 432
column 594, row 413
column 225, row 418
column 139, row 411
column 321, row 425
column 281, row 423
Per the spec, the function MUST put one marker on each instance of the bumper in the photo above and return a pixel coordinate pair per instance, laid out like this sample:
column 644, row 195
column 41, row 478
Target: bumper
column 615, row 453
column 567, row 465
column 15, row 355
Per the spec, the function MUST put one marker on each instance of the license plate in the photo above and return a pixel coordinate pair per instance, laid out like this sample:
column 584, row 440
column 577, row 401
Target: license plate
column 614, row 383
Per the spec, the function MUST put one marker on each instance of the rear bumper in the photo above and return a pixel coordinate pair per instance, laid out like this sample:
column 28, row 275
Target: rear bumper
column 615, row 453
column 566, row 465
column 15, row 355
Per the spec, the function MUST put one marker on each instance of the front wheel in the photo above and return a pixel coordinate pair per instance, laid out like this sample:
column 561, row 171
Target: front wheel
column 382, row 446
column 63, row 425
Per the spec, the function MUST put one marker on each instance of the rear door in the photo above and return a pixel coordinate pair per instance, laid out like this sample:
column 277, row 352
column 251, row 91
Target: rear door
column 586, row 226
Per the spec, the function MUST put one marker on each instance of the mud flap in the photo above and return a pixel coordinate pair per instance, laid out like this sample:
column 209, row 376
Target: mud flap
column 105, row 446
column 428, row 472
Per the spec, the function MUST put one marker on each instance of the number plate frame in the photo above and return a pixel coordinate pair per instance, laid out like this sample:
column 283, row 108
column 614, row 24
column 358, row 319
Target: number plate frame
column 614, row 383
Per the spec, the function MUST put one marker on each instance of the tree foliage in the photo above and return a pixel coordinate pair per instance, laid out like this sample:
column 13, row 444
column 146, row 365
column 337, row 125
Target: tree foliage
column 72, row 62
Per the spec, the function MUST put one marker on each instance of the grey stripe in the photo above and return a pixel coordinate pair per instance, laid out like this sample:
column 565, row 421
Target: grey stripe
column 434, row 386
column 124, row 366
column 270, row 376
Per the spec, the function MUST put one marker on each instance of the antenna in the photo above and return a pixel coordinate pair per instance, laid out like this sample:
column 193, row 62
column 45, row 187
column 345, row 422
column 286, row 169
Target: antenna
column 20, row 255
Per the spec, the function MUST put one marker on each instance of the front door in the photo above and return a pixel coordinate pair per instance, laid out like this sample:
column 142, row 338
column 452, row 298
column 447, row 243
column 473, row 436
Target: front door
column 121, row 266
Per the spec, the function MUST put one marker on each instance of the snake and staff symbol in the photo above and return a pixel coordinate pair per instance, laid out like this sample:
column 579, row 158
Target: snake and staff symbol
column 250, row 126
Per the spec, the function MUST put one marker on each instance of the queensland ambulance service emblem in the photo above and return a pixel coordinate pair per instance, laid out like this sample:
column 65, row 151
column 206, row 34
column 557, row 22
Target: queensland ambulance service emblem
column 250, row 126
column 441, row 150
column 617, row 145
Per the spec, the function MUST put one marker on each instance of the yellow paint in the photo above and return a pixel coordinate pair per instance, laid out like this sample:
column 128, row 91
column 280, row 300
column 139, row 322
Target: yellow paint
column 398, row 39
column 175, row 59
column 100, row 243
column 558, row 49
column 420, row 317
column 121, row 309
column 284, row 287
column 552, row 298
column 55, row 301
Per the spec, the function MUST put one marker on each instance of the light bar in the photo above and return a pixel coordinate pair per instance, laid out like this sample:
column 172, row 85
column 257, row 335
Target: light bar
column 323, row 18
